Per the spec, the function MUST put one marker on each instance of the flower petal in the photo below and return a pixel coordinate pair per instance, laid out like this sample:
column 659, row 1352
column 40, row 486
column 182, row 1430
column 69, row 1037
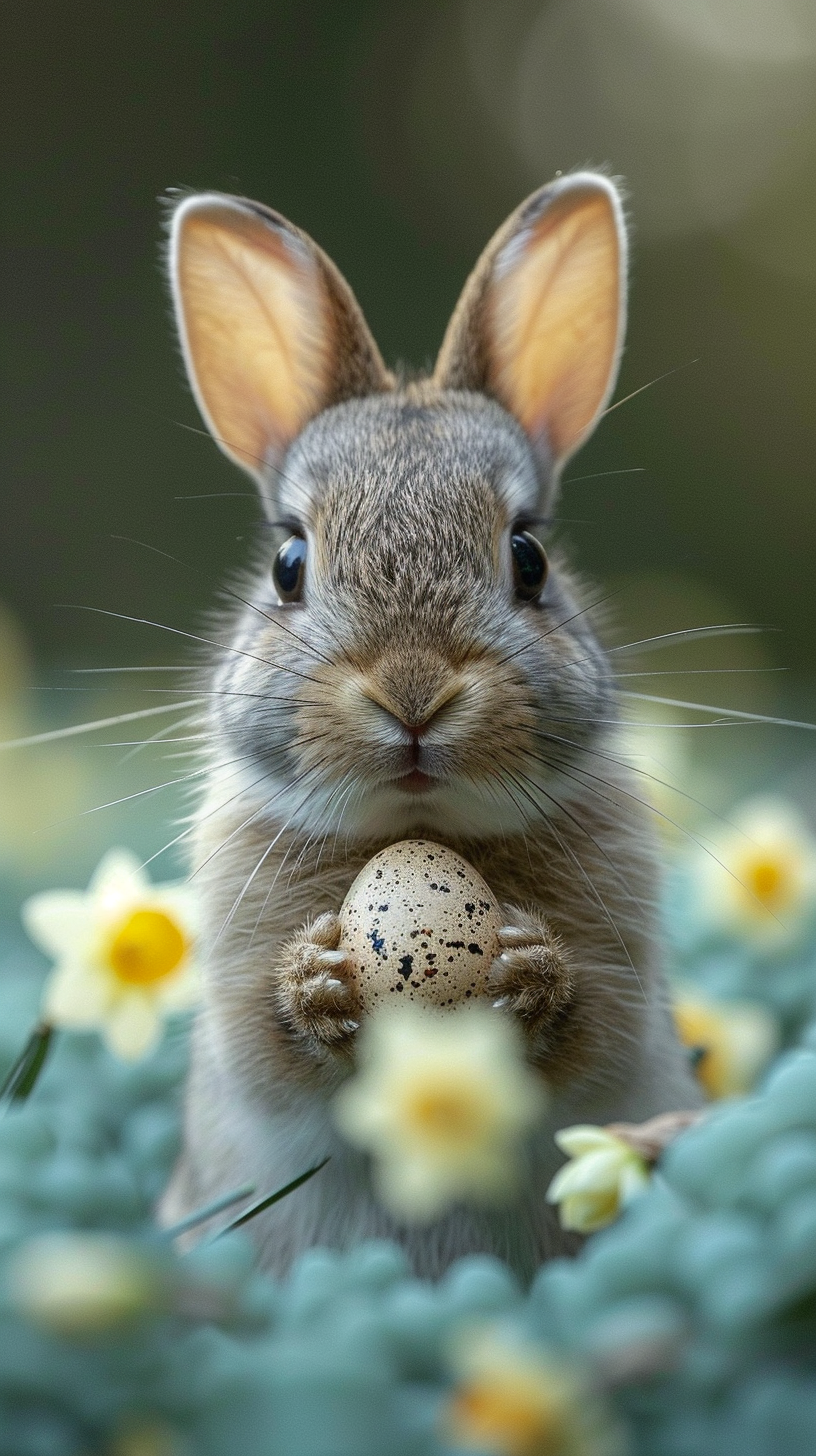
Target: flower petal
column 181, row 990
column 359, row 1113
column 75, row 996
column 584, row 1138
column 413, row 1188
column 752, row 1038
column 58, row 921
column 180, row 903
column 133, row 1028
column 118, row 876
column 585, row 1213
column 593, row 1173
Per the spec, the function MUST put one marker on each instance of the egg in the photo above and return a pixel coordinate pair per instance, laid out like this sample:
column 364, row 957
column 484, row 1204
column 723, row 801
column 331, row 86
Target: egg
column 419, row 924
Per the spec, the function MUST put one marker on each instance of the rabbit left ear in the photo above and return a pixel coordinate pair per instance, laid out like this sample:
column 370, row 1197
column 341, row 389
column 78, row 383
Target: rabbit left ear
column 540, row 322
column 271, row 333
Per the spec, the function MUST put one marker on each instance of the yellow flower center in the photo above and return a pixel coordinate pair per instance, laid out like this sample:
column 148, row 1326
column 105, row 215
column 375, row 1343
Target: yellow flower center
column 704, row 1031
column 444, row 1114
column 766, row 880
column 147, row 947
column 512, row 1417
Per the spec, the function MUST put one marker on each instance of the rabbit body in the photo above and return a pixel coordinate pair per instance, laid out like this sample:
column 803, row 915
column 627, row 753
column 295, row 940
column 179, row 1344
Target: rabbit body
column 413, row 685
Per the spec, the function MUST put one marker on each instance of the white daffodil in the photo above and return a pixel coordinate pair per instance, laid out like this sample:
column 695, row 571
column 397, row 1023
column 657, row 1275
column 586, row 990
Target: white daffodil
column 604, row 1175
column 763, row 889
column 734, row 1042
column 516, row 1399
column 124, row 952
column 443, row 1102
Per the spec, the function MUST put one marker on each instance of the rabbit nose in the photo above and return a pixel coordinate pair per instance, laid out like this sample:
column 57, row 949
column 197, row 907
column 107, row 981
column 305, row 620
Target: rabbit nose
column 416, row 722
column 417, row 732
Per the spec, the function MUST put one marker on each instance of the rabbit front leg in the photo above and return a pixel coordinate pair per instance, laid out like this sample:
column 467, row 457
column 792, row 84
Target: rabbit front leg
column 314, row 994
column 531, row 977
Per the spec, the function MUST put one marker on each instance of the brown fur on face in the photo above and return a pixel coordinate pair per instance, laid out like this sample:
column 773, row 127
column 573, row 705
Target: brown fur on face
column 411, row 691
column 408, row 505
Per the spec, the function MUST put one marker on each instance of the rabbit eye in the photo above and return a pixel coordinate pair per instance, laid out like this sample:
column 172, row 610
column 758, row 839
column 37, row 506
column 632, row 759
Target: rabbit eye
column 288, row 569
column 530, row 565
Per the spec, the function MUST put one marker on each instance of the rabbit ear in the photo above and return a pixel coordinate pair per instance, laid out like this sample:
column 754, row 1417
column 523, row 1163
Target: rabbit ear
column 271, row 332
column 540, row 322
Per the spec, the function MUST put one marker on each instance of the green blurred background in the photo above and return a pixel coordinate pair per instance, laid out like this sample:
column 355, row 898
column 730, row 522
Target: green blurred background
column 399, row 136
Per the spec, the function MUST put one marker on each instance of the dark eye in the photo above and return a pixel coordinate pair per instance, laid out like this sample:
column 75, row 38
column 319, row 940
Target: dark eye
column 288, row 569
column 529, row 564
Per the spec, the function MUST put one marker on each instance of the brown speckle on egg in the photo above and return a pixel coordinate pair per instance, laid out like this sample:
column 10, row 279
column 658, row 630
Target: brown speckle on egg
column 421, row 923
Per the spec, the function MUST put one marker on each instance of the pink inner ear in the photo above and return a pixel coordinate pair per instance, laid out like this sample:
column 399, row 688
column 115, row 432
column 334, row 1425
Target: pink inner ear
column 256, row 327
column 555, row 317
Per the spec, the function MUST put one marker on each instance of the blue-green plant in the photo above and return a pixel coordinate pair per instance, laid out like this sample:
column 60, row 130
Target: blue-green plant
column 695, row 1313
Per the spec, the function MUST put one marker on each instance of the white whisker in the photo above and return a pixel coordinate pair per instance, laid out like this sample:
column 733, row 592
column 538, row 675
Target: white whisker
column 727, row 712
column 75, row 728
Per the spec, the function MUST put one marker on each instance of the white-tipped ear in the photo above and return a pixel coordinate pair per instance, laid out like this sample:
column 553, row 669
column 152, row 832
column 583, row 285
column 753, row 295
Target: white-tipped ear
column 541, row 320
column 270, row 331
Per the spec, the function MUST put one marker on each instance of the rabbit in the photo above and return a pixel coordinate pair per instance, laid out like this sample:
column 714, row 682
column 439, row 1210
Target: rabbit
column 410, row 662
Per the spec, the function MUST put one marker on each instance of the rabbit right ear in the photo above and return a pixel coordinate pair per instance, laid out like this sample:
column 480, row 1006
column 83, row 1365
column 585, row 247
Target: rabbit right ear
column 540, row 322
column 270, row 330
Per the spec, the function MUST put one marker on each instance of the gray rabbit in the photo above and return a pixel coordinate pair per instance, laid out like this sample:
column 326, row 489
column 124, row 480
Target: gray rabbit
column 409, row 663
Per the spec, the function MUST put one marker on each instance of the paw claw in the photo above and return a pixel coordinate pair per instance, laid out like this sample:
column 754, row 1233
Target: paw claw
column 332, row 957
column 513, row 935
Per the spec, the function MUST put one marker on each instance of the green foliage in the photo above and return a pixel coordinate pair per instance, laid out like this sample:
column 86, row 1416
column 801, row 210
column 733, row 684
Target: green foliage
column 696, row 1311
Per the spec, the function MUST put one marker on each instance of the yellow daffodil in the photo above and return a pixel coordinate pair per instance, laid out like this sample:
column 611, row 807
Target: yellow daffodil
column 734, row 1041
column 604, row 1175
column 515, row 1399
column 443, row 1102
column 123, row 950
column 764, row 887
column 80, row 1284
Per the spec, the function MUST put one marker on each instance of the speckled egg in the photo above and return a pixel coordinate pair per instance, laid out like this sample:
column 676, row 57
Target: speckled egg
column 420, row 924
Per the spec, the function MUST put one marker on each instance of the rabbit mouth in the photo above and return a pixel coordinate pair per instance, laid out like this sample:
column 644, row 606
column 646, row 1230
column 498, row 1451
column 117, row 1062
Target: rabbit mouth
column 416, row 782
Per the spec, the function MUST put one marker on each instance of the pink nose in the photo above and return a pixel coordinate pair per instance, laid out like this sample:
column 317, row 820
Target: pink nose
column 416, row 730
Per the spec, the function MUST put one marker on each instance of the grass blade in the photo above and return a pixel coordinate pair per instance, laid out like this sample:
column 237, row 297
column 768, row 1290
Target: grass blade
column 202, row 1214
column 270, row 1199
column 23, row 1075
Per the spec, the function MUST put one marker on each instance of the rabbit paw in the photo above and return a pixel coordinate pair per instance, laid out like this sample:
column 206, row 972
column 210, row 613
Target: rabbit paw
column 530, row 976
column 314, row 993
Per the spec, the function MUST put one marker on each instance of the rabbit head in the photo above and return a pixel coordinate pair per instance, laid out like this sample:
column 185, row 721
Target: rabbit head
column 407, row 659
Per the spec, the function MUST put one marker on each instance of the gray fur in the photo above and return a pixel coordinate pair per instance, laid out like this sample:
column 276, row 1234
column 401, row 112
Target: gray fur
column 409, row 616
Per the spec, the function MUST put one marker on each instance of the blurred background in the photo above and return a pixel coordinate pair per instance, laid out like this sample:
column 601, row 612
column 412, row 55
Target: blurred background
column 399, row 135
